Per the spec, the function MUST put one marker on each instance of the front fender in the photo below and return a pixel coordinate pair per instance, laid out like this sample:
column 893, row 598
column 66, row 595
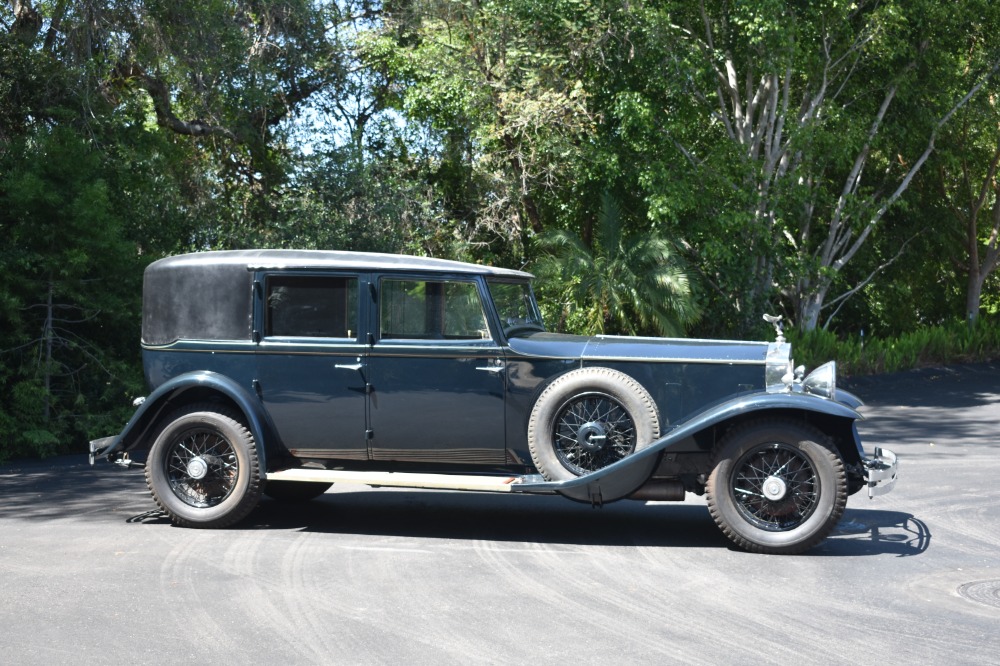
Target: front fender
column 610, row 481
column 189, row 387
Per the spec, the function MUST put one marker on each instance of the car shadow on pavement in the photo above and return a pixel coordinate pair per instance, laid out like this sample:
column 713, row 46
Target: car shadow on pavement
column 79, row 492
column 485, row 517
column 553, row 520
column 875, row 532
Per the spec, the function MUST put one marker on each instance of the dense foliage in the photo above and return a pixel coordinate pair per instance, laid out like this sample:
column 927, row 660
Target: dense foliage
column 666, row 167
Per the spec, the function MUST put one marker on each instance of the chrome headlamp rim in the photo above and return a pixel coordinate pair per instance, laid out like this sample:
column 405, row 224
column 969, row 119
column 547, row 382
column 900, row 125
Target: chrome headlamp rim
column 822, row 381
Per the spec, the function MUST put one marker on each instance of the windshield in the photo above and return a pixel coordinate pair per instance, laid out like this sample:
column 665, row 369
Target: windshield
column 515, row 303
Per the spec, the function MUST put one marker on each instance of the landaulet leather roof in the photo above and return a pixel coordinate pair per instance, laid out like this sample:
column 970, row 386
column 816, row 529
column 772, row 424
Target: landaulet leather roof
column 208, row 295
column 331, row 259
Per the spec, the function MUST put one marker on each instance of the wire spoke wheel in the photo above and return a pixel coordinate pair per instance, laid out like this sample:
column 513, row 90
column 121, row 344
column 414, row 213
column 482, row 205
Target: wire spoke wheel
column 775, row 487
column 202, row 468
column 590, row 418
column 592, row 431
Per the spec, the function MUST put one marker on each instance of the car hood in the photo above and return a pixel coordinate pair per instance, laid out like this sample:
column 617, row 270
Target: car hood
column 610, row 347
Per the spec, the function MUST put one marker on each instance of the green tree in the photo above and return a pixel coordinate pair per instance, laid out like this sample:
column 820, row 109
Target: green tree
column 501, row 83
column 223, row 75
column 70, row 301
column 631, row 283
column 966, row 179
column 808, row 123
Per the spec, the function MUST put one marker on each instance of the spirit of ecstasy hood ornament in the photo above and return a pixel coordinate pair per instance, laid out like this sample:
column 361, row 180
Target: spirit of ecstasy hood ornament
column 775, row 320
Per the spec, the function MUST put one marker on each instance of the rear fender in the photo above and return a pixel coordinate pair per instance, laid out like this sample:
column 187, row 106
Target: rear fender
column 201, row 386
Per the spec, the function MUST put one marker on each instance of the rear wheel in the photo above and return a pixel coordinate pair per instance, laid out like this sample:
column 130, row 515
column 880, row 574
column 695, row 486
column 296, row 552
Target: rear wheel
column 203, row 470
column 777, row 487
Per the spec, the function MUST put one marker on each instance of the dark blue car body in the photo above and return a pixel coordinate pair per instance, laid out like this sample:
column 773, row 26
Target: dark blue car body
column 354, row 367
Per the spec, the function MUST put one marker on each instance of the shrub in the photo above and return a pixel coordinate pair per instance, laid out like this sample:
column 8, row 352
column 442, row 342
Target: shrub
column 953, row 342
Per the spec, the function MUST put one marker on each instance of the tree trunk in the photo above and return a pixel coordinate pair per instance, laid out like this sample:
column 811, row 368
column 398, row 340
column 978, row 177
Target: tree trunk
column 973, row 294
column 810, row 307
column 47, row 367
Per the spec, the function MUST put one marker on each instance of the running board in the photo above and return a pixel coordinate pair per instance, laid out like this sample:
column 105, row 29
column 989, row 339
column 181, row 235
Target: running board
column 490, row 484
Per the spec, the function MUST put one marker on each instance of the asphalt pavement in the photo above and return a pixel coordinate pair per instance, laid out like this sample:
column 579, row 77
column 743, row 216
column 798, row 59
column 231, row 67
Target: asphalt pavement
column 91, row 573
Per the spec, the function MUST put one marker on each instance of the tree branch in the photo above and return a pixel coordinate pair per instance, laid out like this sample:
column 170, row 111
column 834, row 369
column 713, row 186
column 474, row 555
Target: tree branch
column 889, row 201
column 163, row 107
column 27, row 21
column 842, row 299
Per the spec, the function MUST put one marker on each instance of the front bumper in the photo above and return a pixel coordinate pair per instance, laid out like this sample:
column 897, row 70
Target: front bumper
column 881, row 472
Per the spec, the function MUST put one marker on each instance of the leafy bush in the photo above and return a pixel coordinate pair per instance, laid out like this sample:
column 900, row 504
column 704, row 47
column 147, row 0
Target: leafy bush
column 954, row 342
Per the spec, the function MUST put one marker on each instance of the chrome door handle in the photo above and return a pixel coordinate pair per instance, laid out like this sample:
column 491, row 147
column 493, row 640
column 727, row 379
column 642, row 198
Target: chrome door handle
column 350, row 366
column 496, row 367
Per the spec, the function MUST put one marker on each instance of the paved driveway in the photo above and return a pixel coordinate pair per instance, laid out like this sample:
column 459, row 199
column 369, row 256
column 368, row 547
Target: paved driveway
column 89, row 573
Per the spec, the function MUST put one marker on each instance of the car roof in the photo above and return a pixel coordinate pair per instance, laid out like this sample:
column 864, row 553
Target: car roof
column 334, row 259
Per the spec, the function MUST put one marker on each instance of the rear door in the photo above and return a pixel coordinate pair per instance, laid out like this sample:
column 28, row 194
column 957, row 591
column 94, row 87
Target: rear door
column 310, row 362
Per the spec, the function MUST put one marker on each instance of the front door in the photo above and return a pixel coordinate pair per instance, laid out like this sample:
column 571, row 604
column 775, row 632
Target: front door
column 310, row 364
column 438, row 376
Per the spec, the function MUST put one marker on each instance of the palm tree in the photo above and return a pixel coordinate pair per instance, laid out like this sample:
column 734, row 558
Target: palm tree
column 630, row 283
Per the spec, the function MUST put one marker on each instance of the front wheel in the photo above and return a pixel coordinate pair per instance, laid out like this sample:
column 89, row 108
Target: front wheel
column 203, row 470
column 776, row 487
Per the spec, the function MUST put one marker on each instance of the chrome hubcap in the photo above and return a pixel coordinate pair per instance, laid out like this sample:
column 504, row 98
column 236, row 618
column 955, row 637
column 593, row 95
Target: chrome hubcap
column 592, row 436
column 197, row 468
column 774, row 488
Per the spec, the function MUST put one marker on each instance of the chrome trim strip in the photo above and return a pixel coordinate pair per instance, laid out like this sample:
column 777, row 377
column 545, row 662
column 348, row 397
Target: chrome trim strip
column 196, row 347
column 515, row 355
column 711, row 341
column 395, row 352
column 661, row 359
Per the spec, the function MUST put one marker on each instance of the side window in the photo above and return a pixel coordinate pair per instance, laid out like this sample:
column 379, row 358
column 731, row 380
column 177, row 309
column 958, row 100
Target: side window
column 312, row 306
column 418, row 309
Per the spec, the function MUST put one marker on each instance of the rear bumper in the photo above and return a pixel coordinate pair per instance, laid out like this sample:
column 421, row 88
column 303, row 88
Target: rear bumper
column 100, row 447
column 881, row 472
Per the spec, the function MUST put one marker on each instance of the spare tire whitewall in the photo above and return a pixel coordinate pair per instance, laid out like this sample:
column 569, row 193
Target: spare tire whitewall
column 588, row 419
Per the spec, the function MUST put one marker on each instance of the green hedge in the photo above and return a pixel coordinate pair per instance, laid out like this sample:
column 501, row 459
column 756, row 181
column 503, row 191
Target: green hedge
column 955, row 342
